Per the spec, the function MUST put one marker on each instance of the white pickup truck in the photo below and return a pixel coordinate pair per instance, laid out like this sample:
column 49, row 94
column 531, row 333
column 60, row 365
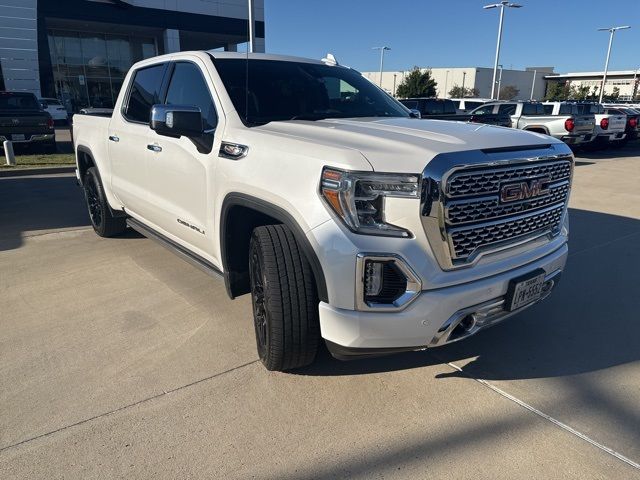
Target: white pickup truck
column 571, row 127
column 304, row 184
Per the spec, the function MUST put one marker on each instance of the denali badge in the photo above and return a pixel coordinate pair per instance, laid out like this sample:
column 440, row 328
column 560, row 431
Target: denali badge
column 524, row 190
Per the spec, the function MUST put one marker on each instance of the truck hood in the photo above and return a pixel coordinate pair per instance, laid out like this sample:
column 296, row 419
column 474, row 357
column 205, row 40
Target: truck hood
column 404, row 144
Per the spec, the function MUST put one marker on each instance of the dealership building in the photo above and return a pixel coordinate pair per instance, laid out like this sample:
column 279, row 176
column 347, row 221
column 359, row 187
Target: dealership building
column 80, row 50
column 529, row 82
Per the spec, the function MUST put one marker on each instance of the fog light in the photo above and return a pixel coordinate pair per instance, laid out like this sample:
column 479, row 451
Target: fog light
column 385, row 282
column 372, row 278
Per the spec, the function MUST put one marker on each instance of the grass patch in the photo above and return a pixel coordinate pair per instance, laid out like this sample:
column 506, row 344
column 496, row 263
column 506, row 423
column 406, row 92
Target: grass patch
column 40, row 161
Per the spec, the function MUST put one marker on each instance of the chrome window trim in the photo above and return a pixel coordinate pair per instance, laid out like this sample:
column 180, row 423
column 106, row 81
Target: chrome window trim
column 434, row 199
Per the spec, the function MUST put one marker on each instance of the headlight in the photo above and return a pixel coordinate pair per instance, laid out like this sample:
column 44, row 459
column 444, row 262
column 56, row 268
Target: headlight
column 358, row 198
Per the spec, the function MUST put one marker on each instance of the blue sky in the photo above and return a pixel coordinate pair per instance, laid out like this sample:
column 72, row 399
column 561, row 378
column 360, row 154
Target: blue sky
column 455, row 33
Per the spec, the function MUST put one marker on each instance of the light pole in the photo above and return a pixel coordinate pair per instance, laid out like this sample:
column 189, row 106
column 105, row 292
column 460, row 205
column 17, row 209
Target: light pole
column 612, row 31
column 382, row 50
column 634, row 87
column 501, row 5
column 446, row 81
column 394, row 84
column 499, row 83
column 464, row 77
column 533, row 84
column 252, row 34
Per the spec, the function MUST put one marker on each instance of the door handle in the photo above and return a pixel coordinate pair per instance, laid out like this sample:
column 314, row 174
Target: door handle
column 114, row 138
column 154, row 147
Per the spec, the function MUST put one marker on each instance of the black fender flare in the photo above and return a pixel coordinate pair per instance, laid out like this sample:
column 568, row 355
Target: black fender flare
column 87, row 151
column 281, row 215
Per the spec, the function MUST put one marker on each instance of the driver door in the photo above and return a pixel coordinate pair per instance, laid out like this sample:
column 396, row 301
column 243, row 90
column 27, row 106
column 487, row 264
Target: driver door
column 180, row 194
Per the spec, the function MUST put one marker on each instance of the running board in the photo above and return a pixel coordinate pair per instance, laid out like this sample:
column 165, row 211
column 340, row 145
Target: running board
column 195, row 260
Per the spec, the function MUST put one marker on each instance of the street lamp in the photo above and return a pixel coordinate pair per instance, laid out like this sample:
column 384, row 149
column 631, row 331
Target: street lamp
column 446, row 82
column 634, row 85
column 501, row 5
column 499, row 83
column 382, row 50
column 464, row 77
column 612, row 31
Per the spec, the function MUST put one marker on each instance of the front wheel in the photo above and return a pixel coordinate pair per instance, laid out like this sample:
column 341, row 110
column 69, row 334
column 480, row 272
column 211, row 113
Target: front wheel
column 285, row 304
column 102, row 220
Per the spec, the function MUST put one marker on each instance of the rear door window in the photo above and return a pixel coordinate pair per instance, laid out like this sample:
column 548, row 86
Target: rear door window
column 508, row 108
column 144, row 92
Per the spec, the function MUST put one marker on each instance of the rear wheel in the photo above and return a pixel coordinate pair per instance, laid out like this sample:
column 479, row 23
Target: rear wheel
column 102, row 220
column 285, row 304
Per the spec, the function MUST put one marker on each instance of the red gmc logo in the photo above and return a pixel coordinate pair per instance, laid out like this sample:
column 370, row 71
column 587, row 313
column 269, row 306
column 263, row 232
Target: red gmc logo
column 524, row 190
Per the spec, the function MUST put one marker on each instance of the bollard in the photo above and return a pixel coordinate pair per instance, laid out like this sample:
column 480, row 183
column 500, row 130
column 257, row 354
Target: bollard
column 8, row 153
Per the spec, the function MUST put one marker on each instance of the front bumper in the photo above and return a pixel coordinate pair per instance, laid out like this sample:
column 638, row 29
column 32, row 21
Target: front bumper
column 435, row 318
column 33, row 138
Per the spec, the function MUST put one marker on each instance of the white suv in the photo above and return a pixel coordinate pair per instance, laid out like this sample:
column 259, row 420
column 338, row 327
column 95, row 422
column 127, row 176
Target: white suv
column 307, row 186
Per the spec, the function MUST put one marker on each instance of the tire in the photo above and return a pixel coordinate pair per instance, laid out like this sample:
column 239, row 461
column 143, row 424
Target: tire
column 284, row 299
column 102, row 220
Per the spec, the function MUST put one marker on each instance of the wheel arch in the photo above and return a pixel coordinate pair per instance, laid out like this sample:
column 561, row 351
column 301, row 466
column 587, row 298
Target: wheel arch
column 84, row 161
column 537, row 129
column 239, row 215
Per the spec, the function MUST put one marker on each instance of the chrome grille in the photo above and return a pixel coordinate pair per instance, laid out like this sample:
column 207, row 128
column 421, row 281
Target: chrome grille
column 464, row 211
column 492, row 200
column 478, row 182
column 467, row 240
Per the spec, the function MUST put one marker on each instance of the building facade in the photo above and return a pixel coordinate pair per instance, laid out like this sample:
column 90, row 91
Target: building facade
column 626, row 81
column 80, row 50
column 529, row 82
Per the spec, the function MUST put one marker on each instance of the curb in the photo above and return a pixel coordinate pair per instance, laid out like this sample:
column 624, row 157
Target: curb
column 20, row 172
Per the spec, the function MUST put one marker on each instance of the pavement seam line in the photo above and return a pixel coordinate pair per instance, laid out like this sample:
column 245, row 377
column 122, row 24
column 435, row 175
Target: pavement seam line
column 549, row 418
column 126, row 407
column 608, row 242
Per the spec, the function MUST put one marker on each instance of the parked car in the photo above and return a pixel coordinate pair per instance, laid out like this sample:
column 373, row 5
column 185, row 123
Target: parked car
column 23, row 121
column 341, row 215
column 445, row 109
column 465, row 105
column 633, row 118
column 608, row 128
column 56, row 109
column 571, row 128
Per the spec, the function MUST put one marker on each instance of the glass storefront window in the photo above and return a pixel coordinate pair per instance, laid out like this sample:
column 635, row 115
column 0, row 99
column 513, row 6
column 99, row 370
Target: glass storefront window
column 89, row 68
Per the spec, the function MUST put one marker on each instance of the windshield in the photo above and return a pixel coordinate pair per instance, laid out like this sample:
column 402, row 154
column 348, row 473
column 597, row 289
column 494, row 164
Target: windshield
column 18, row 101
column 281, row 90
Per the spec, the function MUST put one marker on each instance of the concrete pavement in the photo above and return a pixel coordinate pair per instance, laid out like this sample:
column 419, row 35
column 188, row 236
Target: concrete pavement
column 119, row 360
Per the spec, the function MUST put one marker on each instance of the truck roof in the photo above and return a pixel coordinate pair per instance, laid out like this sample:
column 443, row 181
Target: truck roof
column 262, row 56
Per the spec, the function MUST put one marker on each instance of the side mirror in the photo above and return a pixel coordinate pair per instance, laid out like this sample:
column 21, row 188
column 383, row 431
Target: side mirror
column 415, row 113
column 176, row 121
column 181, row 121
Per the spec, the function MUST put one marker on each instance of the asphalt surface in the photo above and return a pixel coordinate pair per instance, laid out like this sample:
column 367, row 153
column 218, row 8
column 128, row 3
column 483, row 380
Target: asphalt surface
column 119, row 360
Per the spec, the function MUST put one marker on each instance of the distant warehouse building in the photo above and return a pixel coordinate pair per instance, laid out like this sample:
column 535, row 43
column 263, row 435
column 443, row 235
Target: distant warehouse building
column 80, row 50
column 474, row 77
column 626, row 81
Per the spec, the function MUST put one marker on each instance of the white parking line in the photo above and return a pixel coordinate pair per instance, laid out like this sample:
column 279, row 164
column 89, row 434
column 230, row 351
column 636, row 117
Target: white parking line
column 556, row 422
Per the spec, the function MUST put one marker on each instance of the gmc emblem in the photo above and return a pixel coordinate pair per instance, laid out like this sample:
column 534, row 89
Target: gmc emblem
column 524, row 190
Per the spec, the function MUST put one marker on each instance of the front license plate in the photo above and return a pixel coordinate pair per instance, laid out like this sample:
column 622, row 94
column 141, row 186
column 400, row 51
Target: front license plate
column 525, row 289
column 18, row 137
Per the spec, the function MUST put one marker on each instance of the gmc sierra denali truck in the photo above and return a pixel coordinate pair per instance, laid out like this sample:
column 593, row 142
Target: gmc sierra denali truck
column 304, row 184
column 564, row 124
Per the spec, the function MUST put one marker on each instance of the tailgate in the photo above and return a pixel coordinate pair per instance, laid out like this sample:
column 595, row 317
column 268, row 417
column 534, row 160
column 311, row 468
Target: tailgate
column 617, row 123
column 583, row 124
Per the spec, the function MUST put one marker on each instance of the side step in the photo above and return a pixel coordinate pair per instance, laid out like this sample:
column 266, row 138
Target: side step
column 195, row 260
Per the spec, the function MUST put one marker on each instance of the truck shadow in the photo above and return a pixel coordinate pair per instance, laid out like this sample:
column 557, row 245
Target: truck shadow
column 39, row 203
column 588, row 324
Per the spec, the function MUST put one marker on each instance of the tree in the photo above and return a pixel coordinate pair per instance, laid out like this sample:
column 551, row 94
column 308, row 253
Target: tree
column 458, row 92
column 613, row 96
column 509, row 92
column 557, row 91
column 417, row 83
column 579, row 93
